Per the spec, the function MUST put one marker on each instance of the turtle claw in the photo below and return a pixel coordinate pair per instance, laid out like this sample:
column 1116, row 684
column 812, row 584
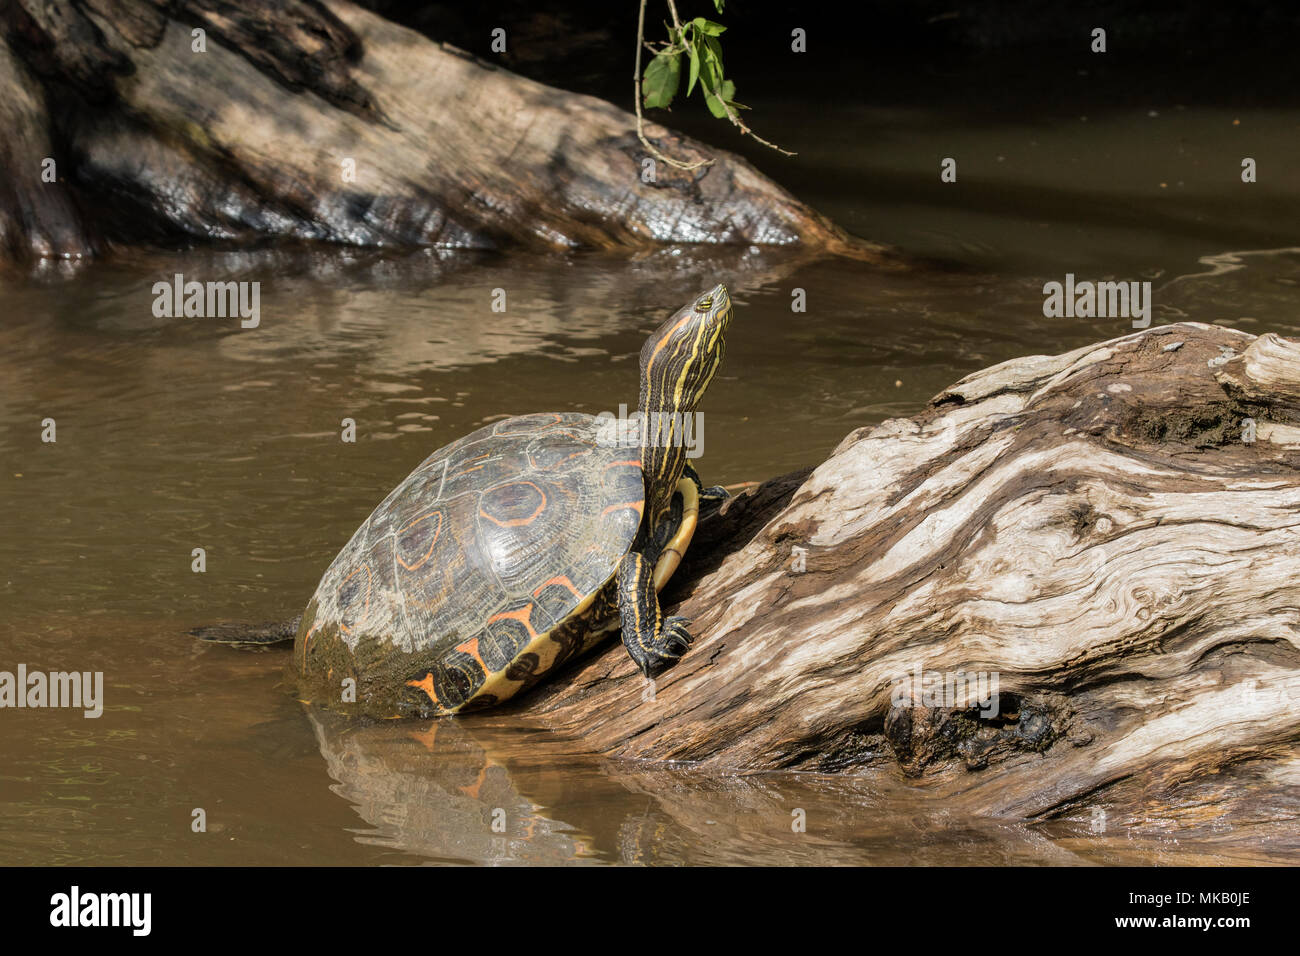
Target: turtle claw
column 653, row 642
column 714, row 493
column 675, row 638
column 672, row 641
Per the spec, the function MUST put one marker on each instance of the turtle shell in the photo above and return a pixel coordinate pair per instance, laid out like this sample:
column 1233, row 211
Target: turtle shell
column 491, row 564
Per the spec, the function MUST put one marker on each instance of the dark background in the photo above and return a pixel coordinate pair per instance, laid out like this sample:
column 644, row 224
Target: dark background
column 982, row 55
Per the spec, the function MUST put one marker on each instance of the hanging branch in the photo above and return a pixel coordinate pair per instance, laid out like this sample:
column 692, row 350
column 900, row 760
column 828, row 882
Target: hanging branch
column 698, row 41
column 640, row 120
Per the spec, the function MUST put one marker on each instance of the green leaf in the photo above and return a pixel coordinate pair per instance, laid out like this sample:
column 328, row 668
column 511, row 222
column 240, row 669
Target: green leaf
column 719, row 4
column 662, row 78
column 713, row 50
column 695, row 68
column 714, row 101
column 708, row 27
column 711, row 69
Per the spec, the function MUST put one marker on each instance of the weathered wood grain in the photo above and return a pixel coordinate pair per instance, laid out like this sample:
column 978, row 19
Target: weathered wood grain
column 1091, row 527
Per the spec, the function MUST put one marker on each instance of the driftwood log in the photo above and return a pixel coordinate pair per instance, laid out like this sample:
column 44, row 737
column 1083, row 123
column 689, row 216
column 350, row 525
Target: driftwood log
column 1113, row 532
column 322, row 121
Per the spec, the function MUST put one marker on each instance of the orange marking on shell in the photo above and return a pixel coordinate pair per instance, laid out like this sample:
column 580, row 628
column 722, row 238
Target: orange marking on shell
column 306, row 645
column 470, row 647
column 411, row 524
column 555, row 420
column 581, row 452
column 637, row 506
column 634, row 462
column 426, row 685
column 523, row 615
column 369, row 580
column 576, row 454
column 518, row 522
column 561, row 579
column 465, row 471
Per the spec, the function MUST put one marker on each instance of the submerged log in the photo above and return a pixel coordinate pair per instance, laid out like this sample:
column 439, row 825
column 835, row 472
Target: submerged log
column 322, row 121
column 1112, row 534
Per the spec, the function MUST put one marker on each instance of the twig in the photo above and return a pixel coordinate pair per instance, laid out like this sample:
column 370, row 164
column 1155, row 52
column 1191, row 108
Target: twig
column 731, row 114
column 746, row 131
column 640, row 121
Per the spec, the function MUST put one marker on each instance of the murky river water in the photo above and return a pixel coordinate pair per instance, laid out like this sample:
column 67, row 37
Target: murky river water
column 175, row 434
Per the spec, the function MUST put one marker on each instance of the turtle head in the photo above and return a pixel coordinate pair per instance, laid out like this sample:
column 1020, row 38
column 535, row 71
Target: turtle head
column 679, row 360
column 677, row 364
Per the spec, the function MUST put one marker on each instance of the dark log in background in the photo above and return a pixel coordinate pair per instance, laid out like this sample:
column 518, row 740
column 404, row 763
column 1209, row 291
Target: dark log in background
column 322, row 121
column 147, row 154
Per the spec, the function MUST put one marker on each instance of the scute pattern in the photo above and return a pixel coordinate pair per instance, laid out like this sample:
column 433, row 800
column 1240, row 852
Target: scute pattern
column 484, row 569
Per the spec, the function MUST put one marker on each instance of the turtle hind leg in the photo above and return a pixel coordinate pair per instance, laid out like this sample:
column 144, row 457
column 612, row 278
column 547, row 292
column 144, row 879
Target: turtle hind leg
column 713, row 495
column 267, row 632
column 652, row 640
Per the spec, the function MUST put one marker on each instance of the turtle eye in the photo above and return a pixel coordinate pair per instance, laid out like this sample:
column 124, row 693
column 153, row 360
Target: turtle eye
column 704, row 304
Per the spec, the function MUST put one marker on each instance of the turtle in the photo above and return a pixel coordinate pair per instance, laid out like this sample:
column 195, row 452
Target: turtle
column 517, row 548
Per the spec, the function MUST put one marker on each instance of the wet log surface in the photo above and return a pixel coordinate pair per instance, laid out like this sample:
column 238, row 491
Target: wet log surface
column 37, row 219
column 322, row 121
column 1090, row 527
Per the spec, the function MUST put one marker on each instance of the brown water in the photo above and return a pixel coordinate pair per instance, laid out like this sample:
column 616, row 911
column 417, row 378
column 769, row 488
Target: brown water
column 175, row 434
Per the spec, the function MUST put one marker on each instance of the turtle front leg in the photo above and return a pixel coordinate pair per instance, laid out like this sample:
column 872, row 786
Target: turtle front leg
column 652, row 640
column 714, row 494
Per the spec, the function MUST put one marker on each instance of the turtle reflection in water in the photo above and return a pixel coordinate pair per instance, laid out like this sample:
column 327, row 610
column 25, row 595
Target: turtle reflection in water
column 515, row 548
